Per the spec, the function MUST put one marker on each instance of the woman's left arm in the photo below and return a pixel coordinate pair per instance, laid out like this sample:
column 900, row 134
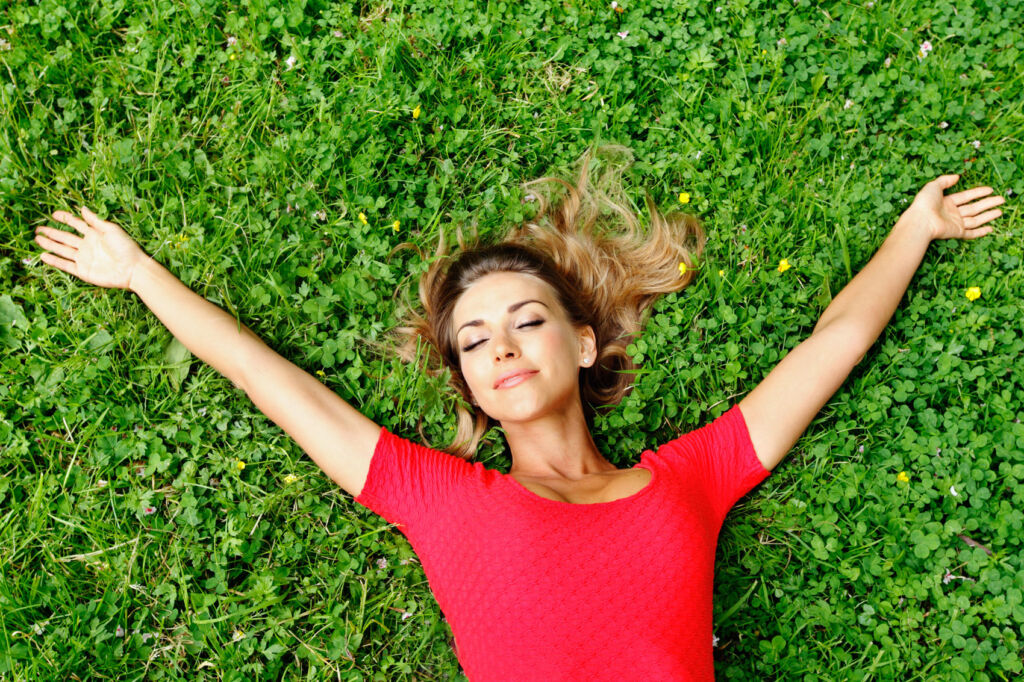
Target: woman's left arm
column 781, row 407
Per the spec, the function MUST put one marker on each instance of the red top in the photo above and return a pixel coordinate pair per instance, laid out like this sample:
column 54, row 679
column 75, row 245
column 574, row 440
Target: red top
column 537, row 589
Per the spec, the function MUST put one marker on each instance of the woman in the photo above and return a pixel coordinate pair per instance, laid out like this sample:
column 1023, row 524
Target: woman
column 567, row 567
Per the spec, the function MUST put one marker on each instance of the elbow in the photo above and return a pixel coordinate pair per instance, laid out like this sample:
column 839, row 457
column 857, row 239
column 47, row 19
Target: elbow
column 848, row 337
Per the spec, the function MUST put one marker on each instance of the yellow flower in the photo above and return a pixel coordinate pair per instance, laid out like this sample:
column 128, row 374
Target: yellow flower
column 764, row 51
column 902, row 476
column 395, row 225
column 240, row 464
column 682, row 269
column 684, row 198
column 362, row 218
column 784, row 265
column 973, row 293
column 416, row 112
column 321, row 372
column 290, row 478
column 231, row 57
column 721, row 273
column 237, row 635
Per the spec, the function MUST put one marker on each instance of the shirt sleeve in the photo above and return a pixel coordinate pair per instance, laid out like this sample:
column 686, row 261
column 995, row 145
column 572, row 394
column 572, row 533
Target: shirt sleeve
column 408, row 484
column 721, row 455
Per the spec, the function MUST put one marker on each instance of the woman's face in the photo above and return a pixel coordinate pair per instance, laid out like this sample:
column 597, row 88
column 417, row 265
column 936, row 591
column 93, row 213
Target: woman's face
column 497, row 333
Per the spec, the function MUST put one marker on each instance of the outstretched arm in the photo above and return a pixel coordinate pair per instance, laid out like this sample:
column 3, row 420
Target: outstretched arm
column 781, row 407
column 335, row 435
column 106, row 256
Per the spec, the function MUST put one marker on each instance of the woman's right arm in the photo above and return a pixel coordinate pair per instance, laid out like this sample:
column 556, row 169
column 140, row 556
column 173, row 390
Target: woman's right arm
column 335, row 435
column 339, row 438
column 209, row 332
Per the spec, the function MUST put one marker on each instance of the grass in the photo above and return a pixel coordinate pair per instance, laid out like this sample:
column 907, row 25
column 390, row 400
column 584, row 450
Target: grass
column 799, row 130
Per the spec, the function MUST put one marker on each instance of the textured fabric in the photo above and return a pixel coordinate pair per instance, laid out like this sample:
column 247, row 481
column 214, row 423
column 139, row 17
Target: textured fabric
column 538, row 589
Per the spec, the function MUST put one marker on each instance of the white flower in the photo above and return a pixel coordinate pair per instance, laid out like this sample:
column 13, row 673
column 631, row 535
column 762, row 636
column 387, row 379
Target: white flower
column 870, row 5
column 697, row 155
column 614, row 4
column 232, row 40
column 849, row 103
column 237, row 635
column 860, row 449
column 320, row 215
column 714, row 640
column 622, row 34
column 406, row 614
column 382, row 562
column 101, row 483
column 718, row 9
column 26, row 261
column 943, row 125
column 119, row 632
column 290, row 62
column 4, row 45
column 37, row 628
column 338, row 34
column 976, row 143
column 953, row 492
column 780, row 42
column 888, row 61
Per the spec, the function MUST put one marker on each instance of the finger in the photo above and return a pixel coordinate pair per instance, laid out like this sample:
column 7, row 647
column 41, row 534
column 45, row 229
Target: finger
column 62, row 236
column 974, row 234
column 946, row 181
column 94, row 220
column 979, row 206
column 970, row 195
column 59, row 263
column 977, row 221
column 57, row 248
column 72, row 220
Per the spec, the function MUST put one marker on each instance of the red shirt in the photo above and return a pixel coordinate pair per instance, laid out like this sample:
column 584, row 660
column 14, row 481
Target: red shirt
column 537, row 589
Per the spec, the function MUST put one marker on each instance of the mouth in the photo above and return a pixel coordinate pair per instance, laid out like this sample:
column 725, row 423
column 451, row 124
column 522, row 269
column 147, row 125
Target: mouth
column 515, row 380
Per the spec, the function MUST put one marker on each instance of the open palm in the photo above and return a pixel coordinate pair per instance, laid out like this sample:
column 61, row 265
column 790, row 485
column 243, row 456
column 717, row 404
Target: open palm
column 952, row 217
column 104, row 255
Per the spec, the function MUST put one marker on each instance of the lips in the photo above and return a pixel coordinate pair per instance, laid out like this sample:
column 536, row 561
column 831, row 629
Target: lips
column 514, row 378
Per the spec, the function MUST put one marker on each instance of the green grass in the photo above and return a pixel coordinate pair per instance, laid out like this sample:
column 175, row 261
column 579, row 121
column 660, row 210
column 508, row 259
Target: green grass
column 245, row 176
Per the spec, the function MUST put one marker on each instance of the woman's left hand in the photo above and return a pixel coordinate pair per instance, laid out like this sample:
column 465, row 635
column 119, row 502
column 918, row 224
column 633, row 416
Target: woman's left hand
column 952, row 217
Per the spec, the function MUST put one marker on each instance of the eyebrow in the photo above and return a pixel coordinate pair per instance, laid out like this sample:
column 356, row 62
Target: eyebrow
column 512, row 308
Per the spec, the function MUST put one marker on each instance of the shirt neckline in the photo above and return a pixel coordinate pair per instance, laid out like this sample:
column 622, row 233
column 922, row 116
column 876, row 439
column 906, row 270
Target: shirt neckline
column 644, row 463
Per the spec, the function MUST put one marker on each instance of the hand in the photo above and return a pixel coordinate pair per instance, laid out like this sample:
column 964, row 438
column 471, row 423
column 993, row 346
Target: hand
column 105, row 255
column 951, row 217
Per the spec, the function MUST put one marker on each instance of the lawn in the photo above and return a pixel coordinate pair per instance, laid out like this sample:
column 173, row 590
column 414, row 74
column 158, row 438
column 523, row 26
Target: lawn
column 155, row 525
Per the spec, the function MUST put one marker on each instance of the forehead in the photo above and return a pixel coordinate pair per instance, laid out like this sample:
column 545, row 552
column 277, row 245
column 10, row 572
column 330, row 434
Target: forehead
column 492, row 294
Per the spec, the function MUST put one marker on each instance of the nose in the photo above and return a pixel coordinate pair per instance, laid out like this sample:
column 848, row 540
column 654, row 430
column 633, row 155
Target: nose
column 503, row 348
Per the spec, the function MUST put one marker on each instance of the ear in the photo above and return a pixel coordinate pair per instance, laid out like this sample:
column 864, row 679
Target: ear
column 588, row 344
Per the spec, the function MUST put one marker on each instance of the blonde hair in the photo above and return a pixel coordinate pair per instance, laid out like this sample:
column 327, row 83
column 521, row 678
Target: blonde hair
column 601, row 276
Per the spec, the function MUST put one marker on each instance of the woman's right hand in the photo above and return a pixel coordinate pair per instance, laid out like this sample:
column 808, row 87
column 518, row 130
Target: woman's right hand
column 104, row 255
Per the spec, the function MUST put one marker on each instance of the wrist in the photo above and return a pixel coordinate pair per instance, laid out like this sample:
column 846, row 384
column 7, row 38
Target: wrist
column 909, row 224
column 143, row 267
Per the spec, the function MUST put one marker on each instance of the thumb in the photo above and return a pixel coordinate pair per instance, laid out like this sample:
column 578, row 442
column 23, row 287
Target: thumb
column 947, row 181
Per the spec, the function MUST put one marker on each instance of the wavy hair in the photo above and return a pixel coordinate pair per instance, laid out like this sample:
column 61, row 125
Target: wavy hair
column 605, row 270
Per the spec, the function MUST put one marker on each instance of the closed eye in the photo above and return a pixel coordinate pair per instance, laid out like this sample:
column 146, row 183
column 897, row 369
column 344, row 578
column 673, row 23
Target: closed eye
column 528, row 324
